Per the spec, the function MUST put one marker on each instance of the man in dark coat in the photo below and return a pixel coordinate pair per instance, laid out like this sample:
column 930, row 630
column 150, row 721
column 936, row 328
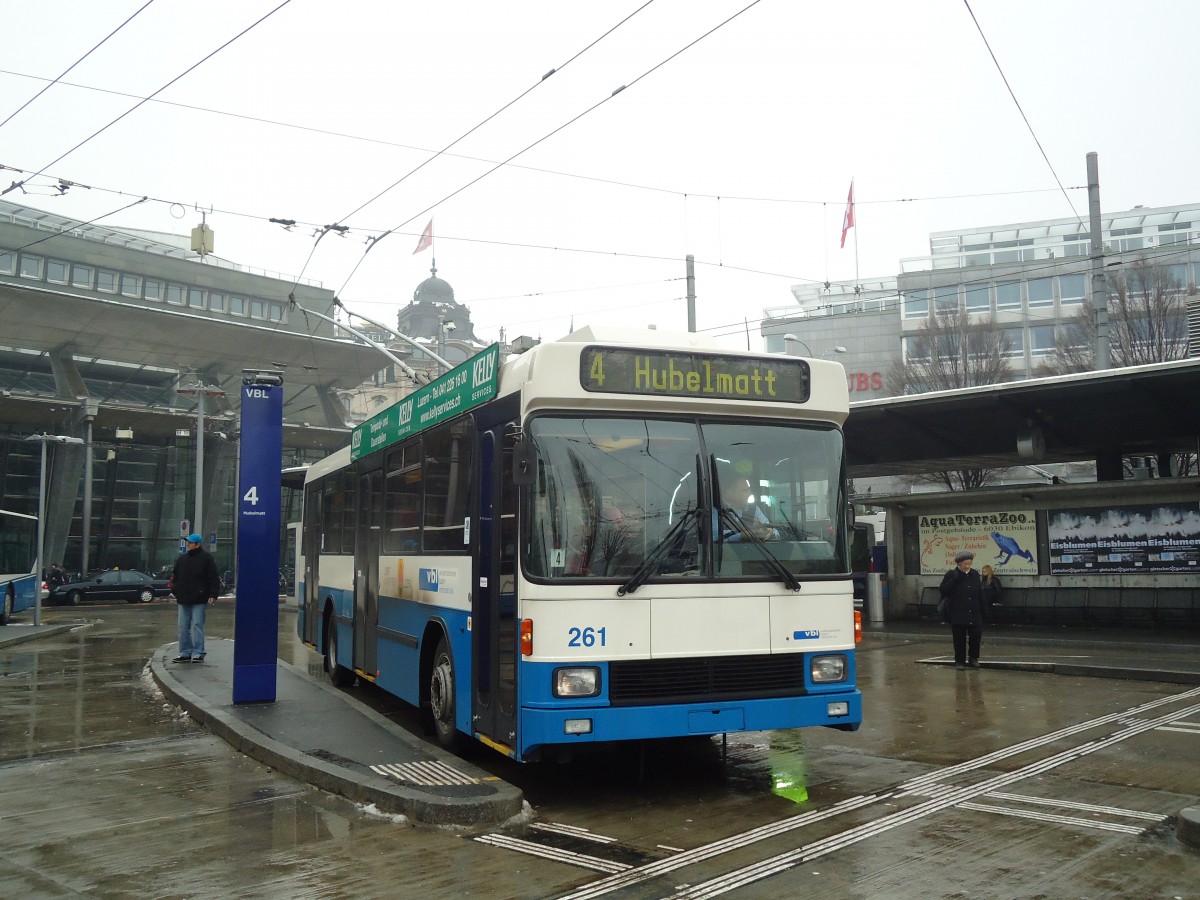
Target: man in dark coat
column 195, row 584
column 963, row 592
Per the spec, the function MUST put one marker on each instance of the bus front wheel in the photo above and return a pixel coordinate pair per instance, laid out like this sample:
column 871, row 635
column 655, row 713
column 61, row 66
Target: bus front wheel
column 441, row 696
column 339, row 675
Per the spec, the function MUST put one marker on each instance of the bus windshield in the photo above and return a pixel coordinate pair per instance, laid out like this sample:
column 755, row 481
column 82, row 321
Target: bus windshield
column 662, row 499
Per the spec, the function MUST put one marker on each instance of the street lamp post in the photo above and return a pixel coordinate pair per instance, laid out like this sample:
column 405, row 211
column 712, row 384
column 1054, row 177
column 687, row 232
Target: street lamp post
column 201, row 391
column 41, row 549
column 792, row 339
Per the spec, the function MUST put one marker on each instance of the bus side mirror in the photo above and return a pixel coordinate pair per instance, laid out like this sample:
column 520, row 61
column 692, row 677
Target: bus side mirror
column 524, row 463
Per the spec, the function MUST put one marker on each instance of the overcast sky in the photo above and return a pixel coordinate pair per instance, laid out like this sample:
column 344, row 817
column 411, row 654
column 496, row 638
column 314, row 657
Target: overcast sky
column 736, row 138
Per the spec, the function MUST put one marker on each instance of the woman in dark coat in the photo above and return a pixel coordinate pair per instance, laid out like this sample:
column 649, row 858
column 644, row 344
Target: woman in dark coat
column 962, row 590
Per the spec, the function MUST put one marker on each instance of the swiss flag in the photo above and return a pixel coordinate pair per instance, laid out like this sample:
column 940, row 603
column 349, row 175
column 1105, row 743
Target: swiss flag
column 847, row 220
column 427, row 238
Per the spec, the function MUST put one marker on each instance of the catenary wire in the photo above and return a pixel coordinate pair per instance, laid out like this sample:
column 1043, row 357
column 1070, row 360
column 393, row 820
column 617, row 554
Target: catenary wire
column 140, row 103
column 461, row 137
column 1013, row 94
column 58, row 78
column 575, row 175
column 507, row 105
column 550, row 134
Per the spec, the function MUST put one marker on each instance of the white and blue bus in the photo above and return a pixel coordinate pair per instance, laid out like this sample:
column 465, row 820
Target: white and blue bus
column 20, row 579
column 614, row 536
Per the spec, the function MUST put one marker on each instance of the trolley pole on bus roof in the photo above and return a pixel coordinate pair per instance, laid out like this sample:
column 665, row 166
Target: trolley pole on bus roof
column 691, row 293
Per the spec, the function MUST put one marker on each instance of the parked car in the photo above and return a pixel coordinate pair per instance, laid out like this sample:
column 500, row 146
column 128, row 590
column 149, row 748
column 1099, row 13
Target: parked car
column 119, row 584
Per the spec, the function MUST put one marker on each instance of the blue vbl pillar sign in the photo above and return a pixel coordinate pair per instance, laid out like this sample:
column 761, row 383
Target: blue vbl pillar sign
column 256, row 619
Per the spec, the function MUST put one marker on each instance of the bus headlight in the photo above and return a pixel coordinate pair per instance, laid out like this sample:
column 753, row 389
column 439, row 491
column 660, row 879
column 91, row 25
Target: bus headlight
column 582, row 681
column 824, row 669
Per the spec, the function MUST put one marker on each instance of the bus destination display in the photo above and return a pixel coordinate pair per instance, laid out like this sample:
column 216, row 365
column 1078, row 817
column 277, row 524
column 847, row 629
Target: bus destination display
column 622, row 370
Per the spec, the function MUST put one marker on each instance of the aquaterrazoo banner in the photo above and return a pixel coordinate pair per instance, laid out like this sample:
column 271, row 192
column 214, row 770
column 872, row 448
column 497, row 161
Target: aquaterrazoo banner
column 1005, row 540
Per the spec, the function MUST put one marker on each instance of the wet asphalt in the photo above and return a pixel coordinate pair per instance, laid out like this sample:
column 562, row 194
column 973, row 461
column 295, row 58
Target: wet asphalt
column 327, row 738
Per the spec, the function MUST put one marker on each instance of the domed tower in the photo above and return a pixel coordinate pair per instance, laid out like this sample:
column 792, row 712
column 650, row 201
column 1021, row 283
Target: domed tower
column 432, row 304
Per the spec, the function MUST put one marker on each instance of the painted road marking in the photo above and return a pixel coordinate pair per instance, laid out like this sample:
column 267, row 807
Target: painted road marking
column 1049, row 817
column 425, row 774
column 552, row 853
column 774, row 865
column 573, row 831
column 946, row 798
column 1079, row 807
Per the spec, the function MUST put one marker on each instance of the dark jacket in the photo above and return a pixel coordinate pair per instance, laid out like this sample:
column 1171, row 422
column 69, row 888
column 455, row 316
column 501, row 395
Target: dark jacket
column 195, row 579
column 991, row 592
column 964, row 597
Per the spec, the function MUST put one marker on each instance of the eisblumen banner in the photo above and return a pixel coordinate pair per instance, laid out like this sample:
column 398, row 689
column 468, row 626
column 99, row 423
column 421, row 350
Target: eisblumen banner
column 1163, row 538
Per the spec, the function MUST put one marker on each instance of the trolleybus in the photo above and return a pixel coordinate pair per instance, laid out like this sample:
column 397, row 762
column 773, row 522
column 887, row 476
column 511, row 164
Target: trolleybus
column 619, row 535
column 20, row 579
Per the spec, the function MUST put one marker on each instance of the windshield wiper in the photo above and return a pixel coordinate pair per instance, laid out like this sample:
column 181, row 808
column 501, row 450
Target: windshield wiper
column 642, row 572
column 726, row 516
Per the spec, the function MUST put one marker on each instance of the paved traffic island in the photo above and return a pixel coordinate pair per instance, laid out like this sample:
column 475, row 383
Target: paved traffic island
column 320, row 735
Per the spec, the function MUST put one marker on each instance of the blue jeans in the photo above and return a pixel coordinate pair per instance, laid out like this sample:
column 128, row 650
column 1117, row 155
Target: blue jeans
column 191, row 629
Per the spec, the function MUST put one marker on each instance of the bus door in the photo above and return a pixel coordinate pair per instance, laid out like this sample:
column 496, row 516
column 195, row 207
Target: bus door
column 494, row 599
column 366, row 570
column 312, row 558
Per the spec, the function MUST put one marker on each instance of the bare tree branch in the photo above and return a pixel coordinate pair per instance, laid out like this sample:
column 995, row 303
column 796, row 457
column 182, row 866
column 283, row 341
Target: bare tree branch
column 952, row 350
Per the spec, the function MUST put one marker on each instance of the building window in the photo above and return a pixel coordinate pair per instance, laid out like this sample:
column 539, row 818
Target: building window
column 1175, row 278
column 1015, row 339
column 175, row 294
column 196, row 298
column 81, row 276
column 979, row 298
column 154, row 289
column 258, row 309
column 106, row 281
column 275, row 312
column 1041, row 340
column 1073, row 288
column 131, row 285
column 1008, row 295
column 1041, row 292
column 56, row 271
column 945, row 298
column 31, row 266
column 237, row 305
column 216, row 302
column 916, row 304
column 8, row 262
column 916, row 347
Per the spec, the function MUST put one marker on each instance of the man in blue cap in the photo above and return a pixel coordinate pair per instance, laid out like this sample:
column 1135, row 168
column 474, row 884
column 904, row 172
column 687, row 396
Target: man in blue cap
column 195, row 584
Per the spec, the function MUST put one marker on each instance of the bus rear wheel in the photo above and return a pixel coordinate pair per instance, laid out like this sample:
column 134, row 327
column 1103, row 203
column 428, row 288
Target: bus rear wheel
column 442, row 699
column 339, row 676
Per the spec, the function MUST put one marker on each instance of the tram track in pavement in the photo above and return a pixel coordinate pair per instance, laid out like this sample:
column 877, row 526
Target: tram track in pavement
column 945, row 788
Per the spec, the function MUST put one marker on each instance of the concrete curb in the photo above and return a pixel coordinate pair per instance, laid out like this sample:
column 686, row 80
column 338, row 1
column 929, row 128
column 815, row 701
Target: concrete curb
column 358, row 787
column 18, row 634
column 1187, row 826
